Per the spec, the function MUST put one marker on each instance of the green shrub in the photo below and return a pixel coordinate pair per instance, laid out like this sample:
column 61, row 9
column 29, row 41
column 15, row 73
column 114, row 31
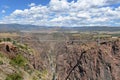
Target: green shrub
column 35, row 78
column 0, row 40
column 14, row 42
column 1, row 55
column 8, row 39
column 1, row 62
column 14, row 76
column 19, row 60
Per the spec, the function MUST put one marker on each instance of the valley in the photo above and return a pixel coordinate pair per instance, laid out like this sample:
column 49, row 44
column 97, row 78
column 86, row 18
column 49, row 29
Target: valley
column 54, row 55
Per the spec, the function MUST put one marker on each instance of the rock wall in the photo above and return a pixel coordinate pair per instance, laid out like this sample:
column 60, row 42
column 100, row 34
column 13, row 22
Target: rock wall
column 89, row 61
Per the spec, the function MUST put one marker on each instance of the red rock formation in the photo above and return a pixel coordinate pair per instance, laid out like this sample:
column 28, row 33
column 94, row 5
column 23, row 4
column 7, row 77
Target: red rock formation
column 8, row 46
column 98, row 62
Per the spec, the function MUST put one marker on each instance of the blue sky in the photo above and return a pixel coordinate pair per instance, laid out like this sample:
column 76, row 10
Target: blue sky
column 12, row 5
column 61, row 12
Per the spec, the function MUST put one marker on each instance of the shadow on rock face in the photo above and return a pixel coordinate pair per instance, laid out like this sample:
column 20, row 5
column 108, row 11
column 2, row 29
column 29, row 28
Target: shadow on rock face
column 7, row 48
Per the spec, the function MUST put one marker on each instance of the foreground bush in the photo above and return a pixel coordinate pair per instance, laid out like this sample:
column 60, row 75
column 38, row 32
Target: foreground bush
column 14, row 76
column 19, row 60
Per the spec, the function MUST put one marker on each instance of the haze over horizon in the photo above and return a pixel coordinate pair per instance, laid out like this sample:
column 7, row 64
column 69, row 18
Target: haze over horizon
column 61, row 12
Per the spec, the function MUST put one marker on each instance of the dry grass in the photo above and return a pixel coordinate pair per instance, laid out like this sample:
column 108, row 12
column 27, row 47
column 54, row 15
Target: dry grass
column 8, row 35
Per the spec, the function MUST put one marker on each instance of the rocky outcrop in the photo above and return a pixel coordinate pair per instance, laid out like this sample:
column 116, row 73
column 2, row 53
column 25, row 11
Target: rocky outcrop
column 91, row 61
column 7, row 46
column 17, row 62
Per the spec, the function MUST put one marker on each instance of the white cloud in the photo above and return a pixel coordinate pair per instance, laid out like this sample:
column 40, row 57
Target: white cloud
column 3, row 11
column 32, row 4
column 64, row 13
column 59, row 5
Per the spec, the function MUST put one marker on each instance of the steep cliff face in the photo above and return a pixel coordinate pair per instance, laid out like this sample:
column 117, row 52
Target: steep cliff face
column 89, row 61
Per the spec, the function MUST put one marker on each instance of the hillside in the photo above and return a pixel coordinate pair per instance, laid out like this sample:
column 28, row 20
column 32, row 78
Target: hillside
column 17, row 62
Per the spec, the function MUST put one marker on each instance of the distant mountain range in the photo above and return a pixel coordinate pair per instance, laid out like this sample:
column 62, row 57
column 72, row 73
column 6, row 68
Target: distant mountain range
column 19, row 27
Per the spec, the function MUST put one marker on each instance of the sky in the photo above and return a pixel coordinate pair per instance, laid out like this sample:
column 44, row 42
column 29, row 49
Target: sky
column 61, row 12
